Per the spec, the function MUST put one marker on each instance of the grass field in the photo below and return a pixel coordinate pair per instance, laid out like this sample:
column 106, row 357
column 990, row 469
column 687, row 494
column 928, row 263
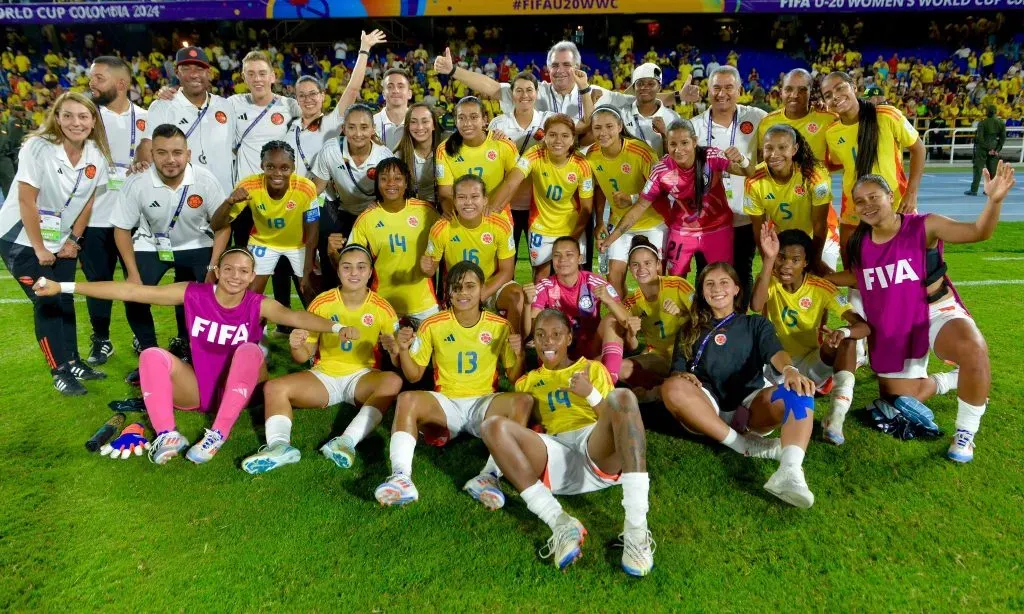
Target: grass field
column 895, row 525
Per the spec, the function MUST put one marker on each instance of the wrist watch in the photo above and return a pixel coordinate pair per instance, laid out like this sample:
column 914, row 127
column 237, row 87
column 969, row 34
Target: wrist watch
column 77, row 240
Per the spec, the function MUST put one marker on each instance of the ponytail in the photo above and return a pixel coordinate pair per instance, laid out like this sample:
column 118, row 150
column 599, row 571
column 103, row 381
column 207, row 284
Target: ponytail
column 867, row 138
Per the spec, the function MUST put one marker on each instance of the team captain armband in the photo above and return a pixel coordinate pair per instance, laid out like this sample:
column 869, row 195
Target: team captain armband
column 312, row 215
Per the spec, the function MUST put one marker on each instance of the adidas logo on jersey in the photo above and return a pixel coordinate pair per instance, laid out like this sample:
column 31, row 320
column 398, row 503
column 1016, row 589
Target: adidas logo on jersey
column 450, row 338
column 154, row 204
column 243, row 116
column 380, row 224
column 539, row 383
column 183, row 122
column 842, row 140
column 460, row 159
column 455, row 239
column 770, row 196
column 600, row 168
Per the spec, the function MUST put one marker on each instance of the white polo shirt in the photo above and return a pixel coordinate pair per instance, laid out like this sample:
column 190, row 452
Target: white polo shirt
column 125, row 132
column 147, row 203
column 741, row 133
column 638, row 125
column 210, row 139
column 307, row 142
column 389, row 132
column 524, row 138
column 257, row 125
column 45, row 166
column 353, row 185
column 549, row 100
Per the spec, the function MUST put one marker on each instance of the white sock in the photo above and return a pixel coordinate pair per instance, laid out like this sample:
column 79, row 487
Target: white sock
column 402, row 447
column 279, row 430
column 842, row 397
column 491, row 467
column 734, row 441
column 362, row 425
column 792, row 456
column 968, row 417
column 944, row 382
column 541, row 502
column 635, row 487
column 727, row 416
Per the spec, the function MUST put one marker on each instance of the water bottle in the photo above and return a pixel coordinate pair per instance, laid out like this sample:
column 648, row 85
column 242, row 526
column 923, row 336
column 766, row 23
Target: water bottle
column 602, row 256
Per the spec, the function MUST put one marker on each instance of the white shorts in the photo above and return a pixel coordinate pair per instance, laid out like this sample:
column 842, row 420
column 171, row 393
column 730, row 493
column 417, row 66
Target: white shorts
column 491, row 304
column 267, row 257
column 418, row 317
column 541, row 245
column 464, row 415
column 340, row 388
column 619, row 250
column 830, row 253
column 939, row 313
column 809, row 365
column 570, row 470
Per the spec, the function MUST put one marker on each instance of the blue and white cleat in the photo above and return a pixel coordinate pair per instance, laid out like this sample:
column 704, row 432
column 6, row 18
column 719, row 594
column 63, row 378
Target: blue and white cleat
column 271, row 457
column 166, row 446
column 484, row 488
column 205, row 448
column 962, row 448
column 339, row 451
column 564, row 544
column 397, row 490
column 637, row 551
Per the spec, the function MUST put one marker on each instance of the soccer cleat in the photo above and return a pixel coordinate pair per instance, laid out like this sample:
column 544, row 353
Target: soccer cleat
column 83, row 372
column 564, row 544
column 637, row 551
column 101, row 350
column 166, row 446
column 136, row 346
column 205, row 448
column 133, row 378
column 832, row 430
column 339, row 451
column 788, row 484
column 760, row 447
column 397, row 490
column 179, row 347
column 962, row 448
column 271, row 457
column 66, row 384
column 484, row 488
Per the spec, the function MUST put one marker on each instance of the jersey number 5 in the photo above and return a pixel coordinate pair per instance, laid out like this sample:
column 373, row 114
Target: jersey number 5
column 787, row 213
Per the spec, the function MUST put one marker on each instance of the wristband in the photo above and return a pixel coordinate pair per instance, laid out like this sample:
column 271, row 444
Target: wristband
column 336, row 328
column 594, row 398
column 455, row 67
column 362, row 52
column 77, row 240
column 67, row 287
column 586, row 90
column 846, row 332
column 745, row 163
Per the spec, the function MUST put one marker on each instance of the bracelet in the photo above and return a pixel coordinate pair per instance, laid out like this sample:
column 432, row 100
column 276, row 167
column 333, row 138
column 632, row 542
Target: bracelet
column 67, row 287
column 586, row 90
column 76, row 239
column 363, row 52
column 790, row 367
column 594, row 398
column 451, row 74
column 846, row 332
column 745, row 163
column 336, row 328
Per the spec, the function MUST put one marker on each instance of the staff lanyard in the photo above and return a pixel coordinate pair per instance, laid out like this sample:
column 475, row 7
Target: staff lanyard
column 131, row 143
column 579, row 102
column 199, row 118
column 177, row 212
column 735, row 124
column 253, row 125
column 73, row 190
column 703, row 344
column 530, row 132
column 348, row 167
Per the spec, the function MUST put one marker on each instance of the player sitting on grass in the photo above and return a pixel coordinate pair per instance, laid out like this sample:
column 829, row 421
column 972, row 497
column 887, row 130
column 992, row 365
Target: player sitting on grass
column 466, row 345
column 345, row 370
column 795, row 301
column 483, row 239
column 594, row 439
column 223, row 321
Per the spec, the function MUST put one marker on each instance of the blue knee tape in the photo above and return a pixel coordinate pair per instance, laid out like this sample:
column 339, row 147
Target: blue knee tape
column 798, row 405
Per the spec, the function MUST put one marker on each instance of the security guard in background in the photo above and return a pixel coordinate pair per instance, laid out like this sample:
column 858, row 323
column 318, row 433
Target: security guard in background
column 10, row 143
column 988, row 142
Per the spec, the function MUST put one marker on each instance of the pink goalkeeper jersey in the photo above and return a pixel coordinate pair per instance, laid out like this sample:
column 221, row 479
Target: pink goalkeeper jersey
column 674, row 184
column 214, row 331
column 578, row 302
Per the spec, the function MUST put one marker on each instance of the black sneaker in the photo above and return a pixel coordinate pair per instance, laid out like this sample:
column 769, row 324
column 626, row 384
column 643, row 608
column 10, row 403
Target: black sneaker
column 180, row 348
column 136, row 346
column 82, row 371
column 133, row 378
column 102, row 349
column 66, row 384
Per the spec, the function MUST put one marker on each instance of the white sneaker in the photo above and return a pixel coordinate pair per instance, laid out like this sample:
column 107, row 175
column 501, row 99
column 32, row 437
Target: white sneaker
column 637, row 551
column 759, row 447
column 339, row 451
column 167, row 446
column 832, row 430
column 397, row 490
column 565, row 541
column 484, row 488
column 205, row 448
column 788, row 484
column 962, row 448
column 271, row 457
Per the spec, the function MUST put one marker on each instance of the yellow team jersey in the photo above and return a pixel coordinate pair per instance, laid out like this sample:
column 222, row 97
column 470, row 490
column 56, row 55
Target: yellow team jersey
column 465, row 359
column 789, row 204
column 659, row 326
column 490, row 161
column 811, row 126
column 561, row 410
column 278, row 224
column 797, row 316
column 626, row 173
column 555, row 207
column 373, row 318
column 485, row 245
column 895, row 133
column 397, row 241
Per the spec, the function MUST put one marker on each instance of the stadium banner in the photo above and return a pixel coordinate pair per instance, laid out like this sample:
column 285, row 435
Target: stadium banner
column 129, row 12
column 864, row 6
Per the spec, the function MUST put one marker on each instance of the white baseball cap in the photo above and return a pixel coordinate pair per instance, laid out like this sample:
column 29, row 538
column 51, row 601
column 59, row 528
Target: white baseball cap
column 644, row 71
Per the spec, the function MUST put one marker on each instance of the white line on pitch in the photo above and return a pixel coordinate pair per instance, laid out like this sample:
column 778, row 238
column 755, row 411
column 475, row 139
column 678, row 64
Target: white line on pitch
column 1005, row 258
column 990, row 282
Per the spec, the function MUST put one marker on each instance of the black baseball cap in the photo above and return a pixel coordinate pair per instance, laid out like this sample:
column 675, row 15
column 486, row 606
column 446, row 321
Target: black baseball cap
column 191, row 55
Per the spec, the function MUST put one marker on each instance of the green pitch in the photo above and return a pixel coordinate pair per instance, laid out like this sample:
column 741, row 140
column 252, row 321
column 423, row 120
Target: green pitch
column 895, row 525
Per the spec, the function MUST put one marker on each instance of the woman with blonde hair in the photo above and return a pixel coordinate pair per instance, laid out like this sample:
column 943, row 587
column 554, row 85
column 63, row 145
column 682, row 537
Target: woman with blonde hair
column 60, row 165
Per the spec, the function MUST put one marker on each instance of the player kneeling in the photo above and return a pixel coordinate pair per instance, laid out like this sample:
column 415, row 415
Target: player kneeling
column 595, row 439
column 796, row 302
column 344, row 371
column 466, row 345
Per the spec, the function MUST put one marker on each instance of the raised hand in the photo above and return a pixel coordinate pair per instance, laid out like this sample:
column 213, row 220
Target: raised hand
column 580, row 78
column 530, row 290
column 239, row 195
column 443, row 64
column 999, row 186
column 515, row 342
column 734, row 155
column 335, row 241
column 579, row 384
column 367, row 41
column 690, row 92
column 769, row 243
column 658, row 124
column 671, row 308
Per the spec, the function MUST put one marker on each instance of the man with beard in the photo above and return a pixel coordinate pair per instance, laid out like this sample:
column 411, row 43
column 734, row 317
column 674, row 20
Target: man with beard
column 171, row 205
column 644, row 116
column 390, row 121
column 125, row 125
